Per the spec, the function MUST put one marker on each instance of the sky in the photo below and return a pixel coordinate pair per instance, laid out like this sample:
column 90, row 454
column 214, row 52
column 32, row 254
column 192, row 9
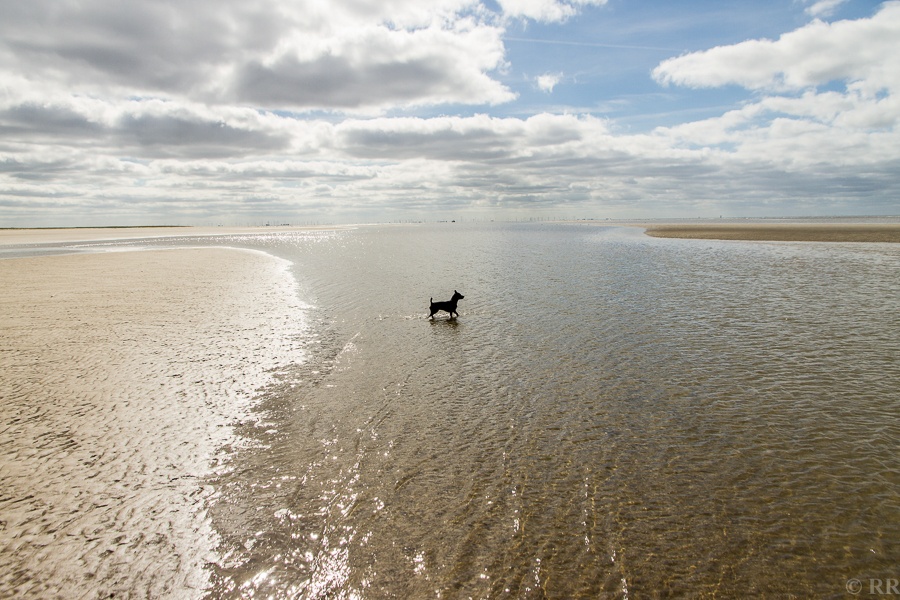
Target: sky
column 151, row 112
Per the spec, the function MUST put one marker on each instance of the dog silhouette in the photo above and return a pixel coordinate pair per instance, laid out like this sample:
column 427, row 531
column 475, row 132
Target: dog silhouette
column 448, row 306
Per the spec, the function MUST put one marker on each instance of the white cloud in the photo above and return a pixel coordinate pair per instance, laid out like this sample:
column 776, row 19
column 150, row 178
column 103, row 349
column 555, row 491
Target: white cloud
column 480, row 137
column 299, row 54
column 797, row 124
column 824, row 8
column 144, row 128
column 545, row 10
column 810, row 56
column 377, row 67
column 174, row 112
column 548, row 81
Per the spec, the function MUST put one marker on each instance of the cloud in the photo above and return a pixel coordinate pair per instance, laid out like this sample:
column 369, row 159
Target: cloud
column 200, row 112
column 298, row 55
column 98, row 45
column 548, row 81
column 799, row 122
column 144, row 128
column 378, row 67
column 824, row 8
column 547, row 11
column 807, row 57
column 274, row 53
column 477, row 138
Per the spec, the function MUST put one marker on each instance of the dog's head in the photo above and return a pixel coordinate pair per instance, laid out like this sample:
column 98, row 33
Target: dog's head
column 457, row 296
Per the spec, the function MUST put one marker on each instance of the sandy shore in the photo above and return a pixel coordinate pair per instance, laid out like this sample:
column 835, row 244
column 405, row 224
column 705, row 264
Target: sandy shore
column 787, row 232
column 120, row 376
column 83, row 234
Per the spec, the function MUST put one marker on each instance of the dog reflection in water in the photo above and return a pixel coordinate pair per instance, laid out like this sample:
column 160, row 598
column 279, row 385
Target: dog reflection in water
column 448, row 306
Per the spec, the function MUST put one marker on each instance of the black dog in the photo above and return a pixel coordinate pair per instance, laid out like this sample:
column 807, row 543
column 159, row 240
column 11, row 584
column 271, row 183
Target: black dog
column 448, row 306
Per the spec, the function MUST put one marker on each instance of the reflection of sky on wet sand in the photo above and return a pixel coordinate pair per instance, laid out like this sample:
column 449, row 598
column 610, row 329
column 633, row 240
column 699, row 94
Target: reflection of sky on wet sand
column 120, row 386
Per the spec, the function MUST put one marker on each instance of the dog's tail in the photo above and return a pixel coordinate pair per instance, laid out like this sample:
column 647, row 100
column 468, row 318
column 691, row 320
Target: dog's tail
column 431, row 300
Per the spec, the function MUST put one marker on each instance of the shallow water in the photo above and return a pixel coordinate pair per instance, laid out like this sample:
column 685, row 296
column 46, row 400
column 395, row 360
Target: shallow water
column 611, row 415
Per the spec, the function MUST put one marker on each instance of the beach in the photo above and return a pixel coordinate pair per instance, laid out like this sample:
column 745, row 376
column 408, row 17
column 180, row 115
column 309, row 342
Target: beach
column 780, row 232
column 57, row 235
column 123, row 374
column 272, row 413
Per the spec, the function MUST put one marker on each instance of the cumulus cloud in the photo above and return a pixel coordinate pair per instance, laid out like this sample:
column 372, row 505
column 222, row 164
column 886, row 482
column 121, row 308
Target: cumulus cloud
column 548, row 81
column 546, row 10
column 813, row 55
column 172, row 112
column 480, row 137
column 799, row 122
column 274, row 53
column 147, row 128
column 379, row 67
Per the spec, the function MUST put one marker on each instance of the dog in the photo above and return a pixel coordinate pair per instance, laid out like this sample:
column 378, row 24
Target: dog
column 448, row 306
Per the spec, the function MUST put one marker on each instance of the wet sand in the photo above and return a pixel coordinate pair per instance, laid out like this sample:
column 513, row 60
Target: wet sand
column 121, row 376
column 82, row 234
column 785, row 232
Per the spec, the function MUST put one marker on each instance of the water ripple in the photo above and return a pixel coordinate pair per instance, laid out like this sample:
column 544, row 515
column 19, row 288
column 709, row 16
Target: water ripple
column 610, row 416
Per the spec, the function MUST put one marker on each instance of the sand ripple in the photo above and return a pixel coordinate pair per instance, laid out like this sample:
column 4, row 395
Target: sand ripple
column 120, row 376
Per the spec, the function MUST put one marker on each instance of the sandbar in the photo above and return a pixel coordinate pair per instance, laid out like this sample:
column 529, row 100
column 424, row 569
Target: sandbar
column 784, row 232
column 121, row 376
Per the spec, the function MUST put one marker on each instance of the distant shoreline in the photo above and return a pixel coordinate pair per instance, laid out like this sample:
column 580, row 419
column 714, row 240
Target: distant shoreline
column 780, row 232
column 847, row 229
column 57, row 235
column 93, row 227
